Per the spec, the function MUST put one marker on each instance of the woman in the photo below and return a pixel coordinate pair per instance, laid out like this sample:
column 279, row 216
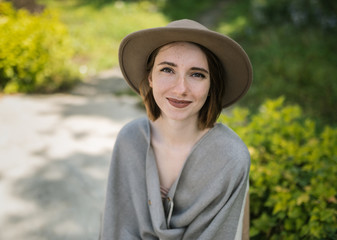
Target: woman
column 178, row 174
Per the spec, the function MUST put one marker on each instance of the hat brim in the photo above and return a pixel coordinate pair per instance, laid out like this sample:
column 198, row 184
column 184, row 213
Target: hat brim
column 136, row 48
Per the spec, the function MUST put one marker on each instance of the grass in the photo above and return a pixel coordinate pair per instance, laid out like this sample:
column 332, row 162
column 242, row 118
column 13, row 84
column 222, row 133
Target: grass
column 97, row 30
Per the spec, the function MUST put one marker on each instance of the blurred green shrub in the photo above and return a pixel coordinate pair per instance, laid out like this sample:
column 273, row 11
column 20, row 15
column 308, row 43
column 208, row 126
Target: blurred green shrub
column 293, row 191
column 297, row 64
column 35, row 52
column 178, row 9
column 291, row 58
column 97, row 28
column 321, row 13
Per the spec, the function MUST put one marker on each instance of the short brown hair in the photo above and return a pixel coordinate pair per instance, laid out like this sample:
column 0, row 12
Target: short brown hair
column 210, row 111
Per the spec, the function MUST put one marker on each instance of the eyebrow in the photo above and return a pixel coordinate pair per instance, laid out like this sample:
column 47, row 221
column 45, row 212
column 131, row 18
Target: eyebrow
column 200, row 69
column 168, row 63
column 175, row 65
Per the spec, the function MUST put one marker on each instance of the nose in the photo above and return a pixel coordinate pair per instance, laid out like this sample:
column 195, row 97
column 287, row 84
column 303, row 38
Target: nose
column 181, row 85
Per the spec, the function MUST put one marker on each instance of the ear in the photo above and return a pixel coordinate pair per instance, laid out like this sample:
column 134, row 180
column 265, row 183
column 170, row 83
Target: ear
column 150, row 79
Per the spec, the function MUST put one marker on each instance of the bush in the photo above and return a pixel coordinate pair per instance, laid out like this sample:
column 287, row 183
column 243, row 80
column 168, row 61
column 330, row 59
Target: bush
column 298, row 65
column 97, row 28
column 35, row 52
column 292, row 48
column 297, row 12
column 178, row 9
column 293, row 192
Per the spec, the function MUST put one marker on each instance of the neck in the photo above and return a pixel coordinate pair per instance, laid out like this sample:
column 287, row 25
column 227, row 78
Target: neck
column 175, row 133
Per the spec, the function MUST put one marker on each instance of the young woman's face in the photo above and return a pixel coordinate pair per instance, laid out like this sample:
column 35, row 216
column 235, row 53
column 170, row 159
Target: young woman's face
column 180, row 80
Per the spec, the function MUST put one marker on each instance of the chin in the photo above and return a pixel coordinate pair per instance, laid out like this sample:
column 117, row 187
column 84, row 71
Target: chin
column 181, row 116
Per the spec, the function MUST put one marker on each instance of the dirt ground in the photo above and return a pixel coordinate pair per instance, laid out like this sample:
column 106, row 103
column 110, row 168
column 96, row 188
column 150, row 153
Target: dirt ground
column 54, row 158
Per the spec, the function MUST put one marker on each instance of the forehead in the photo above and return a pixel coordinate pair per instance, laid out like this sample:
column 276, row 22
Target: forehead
column 183, row 50
column 179, row 45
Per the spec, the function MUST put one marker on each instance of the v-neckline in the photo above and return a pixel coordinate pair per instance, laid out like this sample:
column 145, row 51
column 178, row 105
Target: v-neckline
column 172, row 189
column 161, row 211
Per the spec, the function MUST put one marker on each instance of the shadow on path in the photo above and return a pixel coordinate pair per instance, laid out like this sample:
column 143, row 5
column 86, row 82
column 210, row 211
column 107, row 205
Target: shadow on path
column 54, row 158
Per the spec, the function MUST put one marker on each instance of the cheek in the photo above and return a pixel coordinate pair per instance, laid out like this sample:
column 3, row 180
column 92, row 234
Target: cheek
column 204, row 94
column 160, row 83
column 204, row 90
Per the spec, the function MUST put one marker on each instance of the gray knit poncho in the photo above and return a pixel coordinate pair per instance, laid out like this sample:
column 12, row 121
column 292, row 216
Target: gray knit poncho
column 205, row 202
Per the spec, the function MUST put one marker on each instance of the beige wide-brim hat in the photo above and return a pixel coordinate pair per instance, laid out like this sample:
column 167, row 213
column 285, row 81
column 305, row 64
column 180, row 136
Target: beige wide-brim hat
column 136, row 48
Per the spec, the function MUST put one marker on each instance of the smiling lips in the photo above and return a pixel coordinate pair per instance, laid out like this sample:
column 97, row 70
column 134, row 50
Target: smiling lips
column 178, row 103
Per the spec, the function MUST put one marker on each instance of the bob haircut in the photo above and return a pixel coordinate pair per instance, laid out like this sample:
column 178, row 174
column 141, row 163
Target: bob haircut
column 210, row 111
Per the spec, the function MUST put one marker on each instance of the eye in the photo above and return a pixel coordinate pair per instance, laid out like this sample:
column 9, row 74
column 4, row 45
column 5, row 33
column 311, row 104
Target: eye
column 166, row 70
column 198, row 75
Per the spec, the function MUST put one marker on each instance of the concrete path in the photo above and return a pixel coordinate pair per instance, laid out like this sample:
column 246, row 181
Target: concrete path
column 54, row 157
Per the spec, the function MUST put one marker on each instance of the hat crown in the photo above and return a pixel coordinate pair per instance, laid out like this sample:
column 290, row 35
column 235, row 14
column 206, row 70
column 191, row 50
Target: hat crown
column 186, row 23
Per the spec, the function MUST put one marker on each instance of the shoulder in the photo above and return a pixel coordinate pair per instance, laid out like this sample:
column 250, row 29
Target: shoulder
column 136, row 127
column 132, row 143
column 227, row 136
column 134, row 131
column 226, row 143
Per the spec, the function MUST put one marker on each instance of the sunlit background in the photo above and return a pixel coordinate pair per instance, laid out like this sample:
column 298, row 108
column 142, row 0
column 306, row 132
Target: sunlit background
column 63, row 101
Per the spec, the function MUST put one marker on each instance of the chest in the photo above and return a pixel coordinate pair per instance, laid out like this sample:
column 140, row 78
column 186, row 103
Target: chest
column 170, row 162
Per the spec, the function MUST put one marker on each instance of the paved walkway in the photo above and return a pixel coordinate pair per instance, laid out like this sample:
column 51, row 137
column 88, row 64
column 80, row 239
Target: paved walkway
column 54, row 157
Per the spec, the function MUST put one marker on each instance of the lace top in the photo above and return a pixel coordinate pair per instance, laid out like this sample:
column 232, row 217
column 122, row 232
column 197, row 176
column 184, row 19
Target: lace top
column 164, row 191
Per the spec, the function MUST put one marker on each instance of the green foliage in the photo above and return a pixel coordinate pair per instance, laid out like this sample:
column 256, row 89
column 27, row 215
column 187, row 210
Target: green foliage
column 179, row 9
column 297, row 61
column 293, row 194
column 97, row 28
column 321, row 13
column 35, row 52
column 299, row 65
